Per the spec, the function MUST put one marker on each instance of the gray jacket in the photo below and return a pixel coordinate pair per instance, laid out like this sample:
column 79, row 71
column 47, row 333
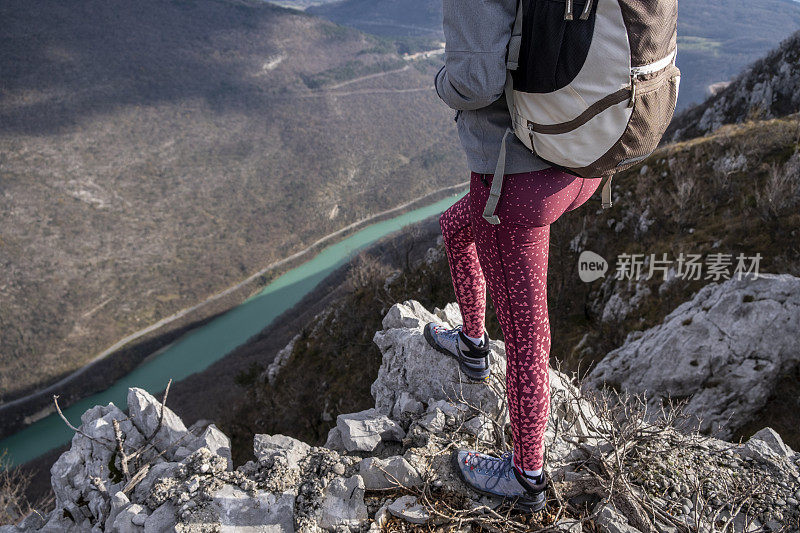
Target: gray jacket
column 472, row 80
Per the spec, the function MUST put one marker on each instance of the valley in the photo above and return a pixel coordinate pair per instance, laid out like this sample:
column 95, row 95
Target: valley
column 155, row 154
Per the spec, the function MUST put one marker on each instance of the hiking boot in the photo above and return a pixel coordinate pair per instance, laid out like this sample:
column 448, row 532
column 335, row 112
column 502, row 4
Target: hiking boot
column 473, row 360
column 496, row 476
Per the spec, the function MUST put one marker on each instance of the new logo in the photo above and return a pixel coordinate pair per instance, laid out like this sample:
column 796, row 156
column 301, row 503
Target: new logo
column 591, row 266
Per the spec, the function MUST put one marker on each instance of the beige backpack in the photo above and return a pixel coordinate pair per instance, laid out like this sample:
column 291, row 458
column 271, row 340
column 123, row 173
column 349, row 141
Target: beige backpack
column 591, row 86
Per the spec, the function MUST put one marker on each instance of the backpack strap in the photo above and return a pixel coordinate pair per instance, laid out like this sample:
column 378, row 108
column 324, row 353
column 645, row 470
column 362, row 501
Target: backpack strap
column 515, row 43
column 497, row 183
column 605, row 194
column 512, row 62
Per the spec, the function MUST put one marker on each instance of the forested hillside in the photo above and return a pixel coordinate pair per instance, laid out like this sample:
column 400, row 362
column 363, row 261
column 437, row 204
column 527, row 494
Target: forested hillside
column 156, row 152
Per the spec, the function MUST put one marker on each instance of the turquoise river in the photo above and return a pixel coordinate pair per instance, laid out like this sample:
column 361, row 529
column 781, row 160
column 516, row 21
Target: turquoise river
column 201, row 347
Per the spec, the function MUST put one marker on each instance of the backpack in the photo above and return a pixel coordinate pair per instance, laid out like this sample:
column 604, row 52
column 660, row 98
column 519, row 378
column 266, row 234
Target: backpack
column 591, row 85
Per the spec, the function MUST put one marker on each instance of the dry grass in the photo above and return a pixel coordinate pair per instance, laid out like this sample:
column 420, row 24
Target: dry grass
column 619, row 442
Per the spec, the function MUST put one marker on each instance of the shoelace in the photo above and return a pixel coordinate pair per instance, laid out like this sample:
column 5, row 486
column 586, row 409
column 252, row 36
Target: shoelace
column 454, row 333
column 442, row 329
column 491, row 465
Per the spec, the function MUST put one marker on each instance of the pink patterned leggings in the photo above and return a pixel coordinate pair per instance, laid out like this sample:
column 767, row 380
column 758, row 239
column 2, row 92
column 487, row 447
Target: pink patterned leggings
column 512, row 258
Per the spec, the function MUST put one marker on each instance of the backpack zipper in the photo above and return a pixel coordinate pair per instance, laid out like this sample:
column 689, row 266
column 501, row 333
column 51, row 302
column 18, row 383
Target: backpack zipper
column 586, row 10
column 568, row 10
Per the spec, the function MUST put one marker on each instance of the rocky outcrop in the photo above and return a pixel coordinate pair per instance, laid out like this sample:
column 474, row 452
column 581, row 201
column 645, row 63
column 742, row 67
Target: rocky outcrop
column 281, row 358
column 393, row 462
column 723, row 352
column 767, row 89
column 405, row 377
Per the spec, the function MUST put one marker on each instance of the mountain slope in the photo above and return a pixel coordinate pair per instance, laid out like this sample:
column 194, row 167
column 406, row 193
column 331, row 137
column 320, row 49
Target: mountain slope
column 766, row 89
column 717, row 38
column 385, row 17
column 159, row 151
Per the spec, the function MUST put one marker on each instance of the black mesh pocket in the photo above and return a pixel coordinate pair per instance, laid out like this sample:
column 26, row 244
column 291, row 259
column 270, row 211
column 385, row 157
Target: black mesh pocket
column 553, row 50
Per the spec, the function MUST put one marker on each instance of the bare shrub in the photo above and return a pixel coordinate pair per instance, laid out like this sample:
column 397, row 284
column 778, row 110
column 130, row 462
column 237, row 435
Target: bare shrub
column 683, row 196
column 724, row 167
column 781, row 190
column 13, row 484
column 365, row 270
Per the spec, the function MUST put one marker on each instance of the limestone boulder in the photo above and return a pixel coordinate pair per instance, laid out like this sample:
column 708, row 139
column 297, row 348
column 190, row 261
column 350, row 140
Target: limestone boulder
column 145, row 411
column 394, row 472
column 236, row 510
column 343, row 504
column 724, row 351
column 412, row 367
column 363, row 431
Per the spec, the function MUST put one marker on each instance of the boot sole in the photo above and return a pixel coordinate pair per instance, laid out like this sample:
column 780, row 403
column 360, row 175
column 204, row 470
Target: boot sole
column 516, row 503
column 429, row 337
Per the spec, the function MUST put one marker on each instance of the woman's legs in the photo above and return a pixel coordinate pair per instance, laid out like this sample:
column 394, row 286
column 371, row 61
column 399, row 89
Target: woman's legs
column 513, row 258
column 456, row 223
column 468, row 281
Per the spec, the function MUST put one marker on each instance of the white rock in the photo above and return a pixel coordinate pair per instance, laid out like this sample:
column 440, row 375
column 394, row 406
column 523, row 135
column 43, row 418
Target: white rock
column 450, row 315
column 721, row 350
column 622, row 303
column 409, row 314
column 70, row 475
column 454, row 409
column 388, row 473
column 162, row 520
column 343, row 503
column 145, row 412
column 58, row 523
column 334, row 440
column 611, row 521
column 270, row 445
column 119, row 501
column 124, row 521
column 363, row 431
column 281, row 358
column 217, row 442
column 236, row 510
column 406, row 406
column 410, row 365
column 155, row 473
column 382, row 516
column 774, row 441
column 480, row 427
column 570, row 526
column 766, row 446
column 410, row 510
column 433, row 421
column 182, row 452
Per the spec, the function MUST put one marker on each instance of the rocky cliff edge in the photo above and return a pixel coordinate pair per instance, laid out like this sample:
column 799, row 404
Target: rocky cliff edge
column 613, row 467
